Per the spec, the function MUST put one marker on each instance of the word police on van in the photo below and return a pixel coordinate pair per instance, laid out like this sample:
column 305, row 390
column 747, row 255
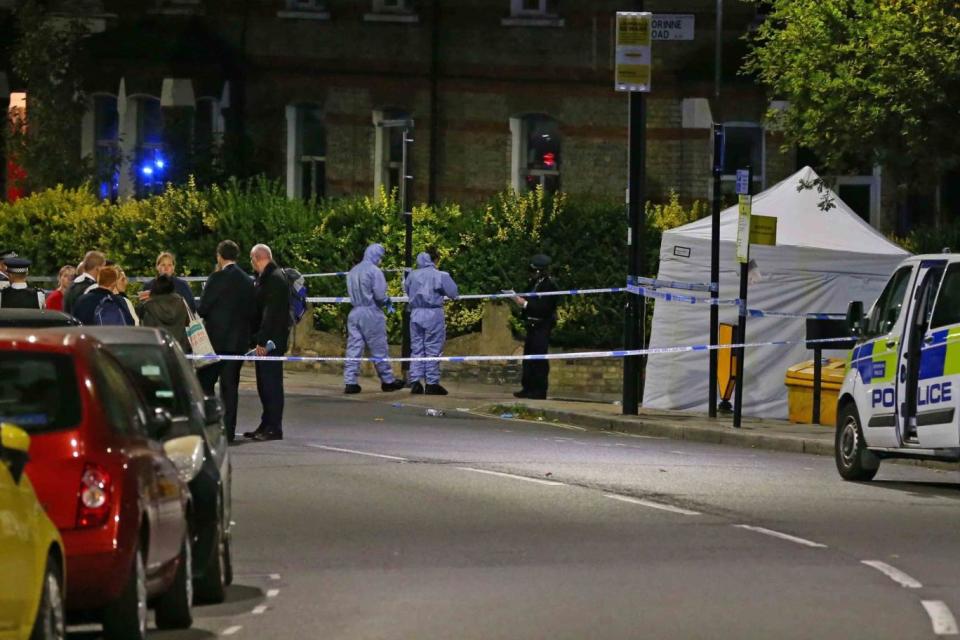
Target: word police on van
column 899, row 396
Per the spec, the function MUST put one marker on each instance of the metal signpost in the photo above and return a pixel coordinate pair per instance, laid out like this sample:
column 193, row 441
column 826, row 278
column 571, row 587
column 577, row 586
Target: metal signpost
column 715, row 264
column 632, row 74
column 405, row 125
column 743, row 257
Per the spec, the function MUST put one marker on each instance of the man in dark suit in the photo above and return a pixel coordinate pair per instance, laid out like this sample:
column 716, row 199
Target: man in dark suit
column 539, row 315
column 227, row 307
column 93, row 261
column 272, row 323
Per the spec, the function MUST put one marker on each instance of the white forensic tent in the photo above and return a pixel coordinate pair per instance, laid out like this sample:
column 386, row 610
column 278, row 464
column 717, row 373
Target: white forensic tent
column 822, row 261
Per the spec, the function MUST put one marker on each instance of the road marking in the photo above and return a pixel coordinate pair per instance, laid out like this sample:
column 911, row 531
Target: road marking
column 652, row 505
column 782, row 536
column 944, row 624
column 510, row 475
column 260, row 608
column 274, row 576
column 229, row 631
column 273, row 593
column 358, row 453
column 894, row 574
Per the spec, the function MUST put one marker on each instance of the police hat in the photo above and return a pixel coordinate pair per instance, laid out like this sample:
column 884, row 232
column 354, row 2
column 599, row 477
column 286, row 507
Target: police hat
column 540, row 261
column 17, row 265
column 6, row 254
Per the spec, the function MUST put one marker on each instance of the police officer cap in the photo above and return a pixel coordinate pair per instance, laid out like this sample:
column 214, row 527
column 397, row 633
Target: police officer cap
column 17, row 265
column 540, row 261
column 6, row 254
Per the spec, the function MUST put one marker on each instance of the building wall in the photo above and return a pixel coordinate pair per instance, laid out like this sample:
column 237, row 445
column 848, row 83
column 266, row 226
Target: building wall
column 487, row 69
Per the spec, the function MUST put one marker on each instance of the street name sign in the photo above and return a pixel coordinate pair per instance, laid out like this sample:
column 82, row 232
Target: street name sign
column 633, row 57
column 673, row 26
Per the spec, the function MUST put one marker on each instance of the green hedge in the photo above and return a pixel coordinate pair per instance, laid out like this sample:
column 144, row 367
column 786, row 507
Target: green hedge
column 485, row 248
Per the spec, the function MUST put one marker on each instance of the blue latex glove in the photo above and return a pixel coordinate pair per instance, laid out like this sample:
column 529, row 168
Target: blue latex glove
column 388, row 308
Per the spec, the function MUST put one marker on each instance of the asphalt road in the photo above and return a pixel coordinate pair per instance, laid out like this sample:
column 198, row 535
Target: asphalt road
column 374, row 521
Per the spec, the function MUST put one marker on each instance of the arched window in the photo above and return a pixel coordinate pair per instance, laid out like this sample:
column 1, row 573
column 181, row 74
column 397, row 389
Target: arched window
column 537, row 158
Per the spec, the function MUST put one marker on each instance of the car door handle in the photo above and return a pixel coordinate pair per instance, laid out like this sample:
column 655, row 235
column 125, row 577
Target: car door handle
column 928, row 340
column 891, row 344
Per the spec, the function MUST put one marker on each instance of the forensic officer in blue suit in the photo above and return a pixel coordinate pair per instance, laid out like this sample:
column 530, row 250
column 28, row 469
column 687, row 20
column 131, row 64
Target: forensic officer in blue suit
column 427, row 287
column 366, row 324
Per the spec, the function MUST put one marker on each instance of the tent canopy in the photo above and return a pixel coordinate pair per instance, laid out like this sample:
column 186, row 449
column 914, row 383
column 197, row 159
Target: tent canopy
column 822, row 260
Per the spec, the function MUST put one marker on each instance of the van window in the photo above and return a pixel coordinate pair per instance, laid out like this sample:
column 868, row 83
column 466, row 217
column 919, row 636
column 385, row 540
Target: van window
column 38, row 391
column 886, row 310
column 947, row 309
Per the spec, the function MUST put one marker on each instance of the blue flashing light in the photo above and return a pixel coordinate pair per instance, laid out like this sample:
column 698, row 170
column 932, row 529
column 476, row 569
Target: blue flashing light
column 160, row 164
column 147, row 170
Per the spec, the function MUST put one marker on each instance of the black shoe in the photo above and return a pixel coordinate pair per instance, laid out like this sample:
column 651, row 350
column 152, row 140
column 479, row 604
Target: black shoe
column 417, row 388
column 264, row 436
column 435, row 390
column 352, row 388
column 533, row 395
column 254, row 433
column 393, row 386
column 520, row 394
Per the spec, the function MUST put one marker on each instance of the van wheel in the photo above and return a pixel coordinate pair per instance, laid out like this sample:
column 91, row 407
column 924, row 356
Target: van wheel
column 49, row 624
column 173, row 607
column 211, row 587
column 126, row 617
column 854, row 461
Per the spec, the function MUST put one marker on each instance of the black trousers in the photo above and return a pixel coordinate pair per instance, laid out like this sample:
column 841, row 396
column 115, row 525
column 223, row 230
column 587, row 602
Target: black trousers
column 270, row 389
column 535, row 375
column 228, row 373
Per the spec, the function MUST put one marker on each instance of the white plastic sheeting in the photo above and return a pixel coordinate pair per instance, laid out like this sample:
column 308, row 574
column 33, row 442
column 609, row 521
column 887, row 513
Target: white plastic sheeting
column 822, row 261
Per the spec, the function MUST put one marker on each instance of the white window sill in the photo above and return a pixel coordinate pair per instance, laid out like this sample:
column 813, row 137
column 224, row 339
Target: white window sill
column 404, row 18
column 532, row 21
column 304, row 15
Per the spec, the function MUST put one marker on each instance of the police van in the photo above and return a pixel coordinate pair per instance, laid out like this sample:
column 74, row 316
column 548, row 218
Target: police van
column 901, row 390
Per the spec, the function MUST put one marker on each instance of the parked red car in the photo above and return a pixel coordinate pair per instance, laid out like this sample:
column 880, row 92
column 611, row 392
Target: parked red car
column 122, row 506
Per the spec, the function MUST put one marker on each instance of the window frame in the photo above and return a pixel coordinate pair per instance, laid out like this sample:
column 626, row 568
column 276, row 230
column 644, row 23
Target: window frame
column 759, row 172
column 517, row 9
column 297, row 160
column 869, row 330
column 520, row 128
column 953, row 267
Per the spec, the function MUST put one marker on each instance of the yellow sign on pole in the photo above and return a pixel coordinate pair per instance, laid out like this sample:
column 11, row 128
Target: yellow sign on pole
column 743, row 229
column 763, row 230
column 633, row 57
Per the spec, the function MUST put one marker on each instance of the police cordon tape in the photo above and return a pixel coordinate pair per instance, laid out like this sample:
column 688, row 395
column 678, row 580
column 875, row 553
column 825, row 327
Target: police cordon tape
column 576, row 355
column 482, row 296
column 671, row 284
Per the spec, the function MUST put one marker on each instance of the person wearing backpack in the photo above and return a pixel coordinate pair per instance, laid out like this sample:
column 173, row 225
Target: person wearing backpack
column 102, row 305
column 166, row 309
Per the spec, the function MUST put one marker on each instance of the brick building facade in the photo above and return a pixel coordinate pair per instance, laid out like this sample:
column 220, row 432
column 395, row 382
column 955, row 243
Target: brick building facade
column 500, row 93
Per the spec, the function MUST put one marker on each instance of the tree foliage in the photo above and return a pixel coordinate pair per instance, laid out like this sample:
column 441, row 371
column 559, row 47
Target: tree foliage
column 868, row 82
column 47, row 56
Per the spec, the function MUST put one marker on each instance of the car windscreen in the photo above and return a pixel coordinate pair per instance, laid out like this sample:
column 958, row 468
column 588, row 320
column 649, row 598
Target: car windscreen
column 147, row 364
column 38, row 391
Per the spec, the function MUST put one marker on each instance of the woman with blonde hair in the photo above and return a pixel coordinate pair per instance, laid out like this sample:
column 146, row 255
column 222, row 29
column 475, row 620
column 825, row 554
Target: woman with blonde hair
column 64, row 279
column 167, row 266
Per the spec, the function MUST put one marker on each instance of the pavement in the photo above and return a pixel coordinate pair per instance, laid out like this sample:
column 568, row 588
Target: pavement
column 497, row 401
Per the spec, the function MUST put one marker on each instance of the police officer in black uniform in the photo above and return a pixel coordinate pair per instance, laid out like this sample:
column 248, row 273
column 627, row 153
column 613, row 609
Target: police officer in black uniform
column 539, row 316
column 4, row 256
column 19, row 295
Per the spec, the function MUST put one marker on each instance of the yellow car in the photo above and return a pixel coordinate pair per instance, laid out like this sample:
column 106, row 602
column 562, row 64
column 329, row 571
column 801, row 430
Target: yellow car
column 31, row 551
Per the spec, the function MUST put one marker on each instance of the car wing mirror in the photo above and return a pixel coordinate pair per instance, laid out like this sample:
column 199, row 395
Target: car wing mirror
column 212, row 410
column 159, row 423
column 855, row 318
column 14, row 449
column 186, row 454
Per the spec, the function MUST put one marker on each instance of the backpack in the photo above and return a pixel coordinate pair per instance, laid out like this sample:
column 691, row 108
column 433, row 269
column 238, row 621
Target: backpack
column 298, row 294
column 109, row 313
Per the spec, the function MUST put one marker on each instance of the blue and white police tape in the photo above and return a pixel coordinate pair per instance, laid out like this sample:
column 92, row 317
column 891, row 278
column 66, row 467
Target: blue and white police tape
column 760, row 313
column 486, row 296
column 671, row 284
column 679, row 297
column 577, row 355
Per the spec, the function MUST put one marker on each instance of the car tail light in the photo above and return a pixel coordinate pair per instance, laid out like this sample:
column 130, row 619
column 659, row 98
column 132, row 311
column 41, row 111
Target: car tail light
column 96, row 491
